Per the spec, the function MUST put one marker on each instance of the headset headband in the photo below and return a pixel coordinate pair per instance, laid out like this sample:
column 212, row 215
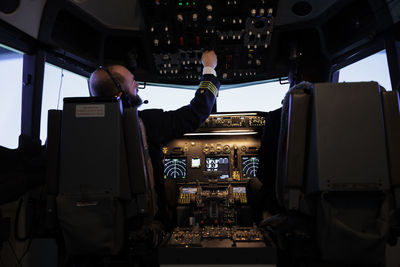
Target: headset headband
column 115, row 81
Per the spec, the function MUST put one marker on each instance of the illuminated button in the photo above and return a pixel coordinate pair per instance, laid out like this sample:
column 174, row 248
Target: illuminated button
column 240, row 21
column 270, row 11
column 234, row 37
column 225, row 75
column 152, row 29
column 194, row 16
column 156, row 42
column 209, row 8
column 166, row 28
column 222, row 37
column 250, row 33
column 265, row 45
column 169, row 65
column 255, row 46
column 234, row 21
column 258, row 35
column 168, row 41
column 253, row 12
column 209, row 18
column 176, row 71
column 262, row 12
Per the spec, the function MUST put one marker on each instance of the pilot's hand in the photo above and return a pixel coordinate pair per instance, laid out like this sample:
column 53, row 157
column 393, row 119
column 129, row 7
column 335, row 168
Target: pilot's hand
column 209, row 59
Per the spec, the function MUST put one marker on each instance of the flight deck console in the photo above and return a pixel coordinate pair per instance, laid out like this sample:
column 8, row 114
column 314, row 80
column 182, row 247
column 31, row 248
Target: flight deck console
column 211, row 168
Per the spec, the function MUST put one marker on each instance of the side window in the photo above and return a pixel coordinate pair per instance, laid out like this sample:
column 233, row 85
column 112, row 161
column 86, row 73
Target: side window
column 11, row 65
column 57, row 84
column 372, row 68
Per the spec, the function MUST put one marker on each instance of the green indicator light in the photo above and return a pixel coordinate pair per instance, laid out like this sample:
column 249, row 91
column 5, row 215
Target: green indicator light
column 187, row 3
column 194, row 3
column 180, row 4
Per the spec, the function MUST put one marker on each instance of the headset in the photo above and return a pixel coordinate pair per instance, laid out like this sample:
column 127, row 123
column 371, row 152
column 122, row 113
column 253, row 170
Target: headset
column 126, row 101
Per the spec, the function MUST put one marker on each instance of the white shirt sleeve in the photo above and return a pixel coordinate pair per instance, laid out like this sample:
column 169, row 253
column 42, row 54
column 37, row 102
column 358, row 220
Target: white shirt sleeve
column 209, row 70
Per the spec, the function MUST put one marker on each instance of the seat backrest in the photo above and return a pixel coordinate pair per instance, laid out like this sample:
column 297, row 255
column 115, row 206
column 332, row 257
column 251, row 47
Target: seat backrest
column 333, row 165
column 391, row 111
column 102, row 178
column 332, row 139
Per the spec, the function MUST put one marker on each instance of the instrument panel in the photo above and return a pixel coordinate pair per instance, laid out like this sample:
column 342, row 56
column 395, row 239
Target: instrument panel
column 224, row 148
column 239, row 31
column 211, row 168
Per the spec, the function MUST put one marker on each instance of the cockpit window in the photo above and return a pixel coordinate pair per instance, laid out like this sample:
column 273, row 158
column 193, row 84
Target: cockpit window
column 166, row 98
column 11, row 63
column 372, row 68
column 57, row 84
column 259, row 97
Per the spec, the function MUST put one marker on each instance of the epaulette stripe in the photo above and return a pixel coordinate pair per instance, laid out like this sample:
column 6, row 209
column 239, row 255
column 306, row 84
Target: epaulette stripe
column 210, row 86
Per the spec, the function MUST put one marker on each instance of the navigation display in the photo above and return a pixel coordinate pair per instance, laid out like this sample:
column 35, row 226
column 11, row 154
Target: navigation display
column 249, row 166
column 218, row 164
column 175, row 168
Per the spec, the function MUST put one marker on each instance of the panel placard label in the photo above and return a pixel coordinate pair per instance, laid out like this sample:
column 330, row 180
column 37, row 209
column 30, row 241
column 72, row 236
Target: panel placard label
column 87, row 111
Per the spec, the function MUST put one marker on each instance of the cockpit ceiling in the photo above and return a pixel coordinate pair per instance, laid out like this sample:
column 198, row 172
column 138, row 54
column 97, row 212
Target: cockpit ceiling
column 116, row 14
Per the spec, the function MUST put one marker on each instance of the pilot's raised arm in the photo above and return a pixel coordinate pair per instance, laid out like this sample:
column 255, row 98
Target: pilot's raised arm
column 162, row 127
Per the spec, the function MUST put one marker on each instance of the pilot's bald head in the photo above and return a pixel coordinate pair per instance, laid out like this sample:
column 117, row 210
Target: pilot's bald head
column 101, row 84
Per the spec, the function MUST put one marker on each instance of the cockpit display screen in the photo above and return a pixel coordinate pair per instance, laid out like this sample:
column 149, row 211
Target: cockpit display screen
column 218, row 164
column 189, row 190
column 240, row 189
column 249, row 166
column 175, row 168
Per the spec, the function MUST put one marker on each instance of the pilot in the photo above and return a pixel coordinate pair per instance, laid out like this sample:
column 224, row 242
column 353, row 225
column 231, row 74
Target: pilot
column 160, row 126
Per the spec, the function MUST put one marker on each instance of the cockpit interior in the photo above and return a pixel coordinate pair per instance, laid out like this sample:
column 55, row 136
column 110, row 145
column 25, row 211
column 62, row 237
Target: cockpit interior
column 312, row 180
